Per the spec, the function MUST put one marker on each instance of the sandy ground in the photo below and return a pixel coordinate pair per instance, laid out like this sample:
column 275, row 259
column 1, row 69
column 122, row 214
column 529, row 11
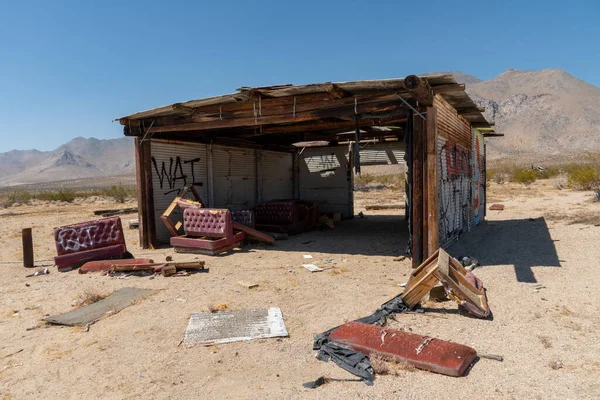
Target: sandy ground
column 135, row 353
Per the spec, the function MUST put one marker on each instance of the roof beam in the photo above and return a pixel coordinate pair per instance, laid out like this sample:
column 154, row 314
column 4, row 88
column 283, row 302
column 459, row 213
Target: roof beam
column 419, row 90
column 454, row 87
column 339, row 107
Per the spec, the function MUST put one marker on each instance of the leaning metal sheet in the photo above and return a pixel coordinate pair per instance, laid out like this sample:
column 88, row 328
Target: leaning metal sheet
column 233, row 326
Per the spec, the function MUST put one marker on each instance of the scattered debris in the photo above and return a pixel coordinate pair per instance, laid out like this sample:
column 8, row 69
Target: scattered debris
column 460, row 284
column 168, row 258
column 248, row 285
column 537, row 287
column 497, row 207
column 556, row 365
column 401, row 258
column 438, row 293
column 279, row 235
column 44, row 271
column 325, row 221
column 312, row 268
column 384, row 207
column 307, row 256
column 491, row 356
column 13, row 353
column 112, row 213
column 361, row 215
column 217, row 308
column 134, row 224
column 111, row 305
column 105, row 265
column 422, row 352
column 470, row 263
column 234, row 326
column 315, row 384
column 88, row 297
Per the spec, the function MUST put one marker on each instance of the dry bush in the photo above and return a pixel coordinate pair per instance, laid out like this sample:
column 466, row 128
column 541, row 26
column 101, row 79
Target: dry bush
column 525, row 176
column 384, row 366
column 89, row 296
column 583, row 177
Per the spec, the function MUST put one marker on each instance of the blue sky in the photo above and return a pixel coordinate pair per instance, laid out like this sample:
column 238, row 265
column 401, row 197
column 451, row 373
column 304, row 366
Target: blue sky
column 68, row 68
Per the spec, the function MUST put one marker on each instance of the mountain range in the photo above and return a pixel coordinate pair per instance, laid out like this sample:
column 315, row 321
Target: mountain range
column 547, row 114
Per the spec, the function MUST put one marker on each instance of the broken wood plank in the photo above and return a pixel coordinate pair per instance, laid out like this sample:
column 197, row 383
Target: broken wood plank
column 119, row 211
column 263, row 237
column 385, row 207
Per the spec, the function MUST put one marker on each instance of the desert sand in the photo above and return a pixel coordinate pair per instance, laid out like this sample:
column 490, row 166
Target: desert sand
column 547, row 334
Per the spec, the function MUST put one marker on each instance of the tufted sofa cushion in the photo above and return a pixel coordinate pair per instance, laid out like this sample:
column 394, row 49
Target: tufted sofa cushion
column 209, row 222
column 276, row 213
column 244, row 217
column 89, row 236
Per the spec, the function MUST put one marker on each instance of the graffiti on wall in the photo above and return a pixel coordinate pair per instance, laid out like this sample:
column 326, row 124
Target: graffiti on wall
column 169, row 178
column 455, row 193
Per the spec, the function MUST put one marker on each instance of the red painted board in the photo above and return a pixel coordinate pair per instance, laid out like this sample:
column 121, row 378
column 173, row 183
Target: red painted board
column 106, row 264
column 436, row 355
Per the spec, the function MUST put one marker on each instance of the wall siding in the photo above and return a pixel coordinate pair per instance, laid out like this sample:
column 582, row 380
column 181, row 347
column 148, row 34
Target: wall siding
column 171, row 171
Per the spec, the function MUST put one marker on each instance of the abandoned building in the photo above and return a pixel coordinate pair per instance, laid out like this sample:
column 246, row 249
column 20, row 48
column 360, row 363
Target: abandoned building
column 305, row 142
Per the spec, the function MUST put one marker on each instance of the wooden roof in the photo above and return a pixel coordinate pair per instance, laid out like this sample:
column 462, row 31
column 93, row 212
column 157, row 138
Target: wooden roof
column 284, row 114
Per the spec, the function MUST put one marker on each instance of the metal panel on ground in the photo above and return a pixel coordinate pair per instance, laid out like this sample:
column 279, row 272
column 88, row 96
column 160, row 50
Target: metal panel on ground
column 234, row 177
column 276, row 175
column 175, row 165
column 325, row 177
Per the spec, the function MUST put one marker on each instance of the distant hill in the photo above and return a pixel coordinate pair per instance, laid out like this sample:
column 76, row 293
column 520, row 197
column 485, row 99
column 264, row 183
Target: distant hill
column 548, row 114
column 76, row 159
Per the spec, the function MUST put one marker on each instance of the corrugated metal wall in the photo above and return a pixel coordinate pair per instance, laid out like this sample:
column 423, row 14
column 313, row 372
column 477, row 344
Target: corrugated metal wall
column 382, row 153
column 275, row 173
column 325, row 177
column 451, row 125
column 478, row 177
column 455, row 174
column 174, row 166
column 234, row 177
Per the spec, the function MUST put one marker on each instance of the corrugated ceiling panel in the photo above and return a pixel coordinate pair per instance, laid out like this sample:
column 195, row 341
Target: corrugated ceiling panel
column 382, row 153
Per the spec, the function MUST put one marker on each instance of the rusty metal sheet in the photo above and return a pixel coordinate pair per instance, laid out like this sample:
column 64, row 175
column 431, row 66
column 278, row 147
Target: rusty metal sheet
column 233, row 326
column 114, row 303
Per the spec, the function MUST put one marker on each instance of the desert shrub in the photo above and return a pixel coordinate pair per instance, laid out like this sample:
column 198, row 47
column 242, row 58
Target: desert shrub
column 525, row 176
column 65, row 195
column 363, row 180
column 117, row 192
column 546, row 173
column 583, row 177
column 18, row 196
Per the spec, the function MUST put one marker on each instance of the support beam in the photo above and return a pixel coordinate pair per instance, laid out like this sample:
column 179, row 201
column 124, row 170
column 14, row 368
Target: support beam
column 431, row 212
column 356, row 144
column 418, row 143
column 419, row 90
column 181, row 108
column 336, row 91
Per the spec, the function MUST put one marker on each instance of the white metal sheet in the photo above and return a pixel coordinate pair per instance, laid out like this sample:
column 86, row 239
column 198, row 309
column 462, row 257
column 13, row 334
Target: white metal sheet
column 208, row 328
column 173, row 166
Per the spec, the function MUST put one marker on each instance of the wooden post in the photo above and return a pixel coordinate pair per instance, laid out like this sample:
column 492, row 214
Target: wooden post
column 148, row 198
column 417, row 189
column 27, row 248
column 141, row 193
column 431, row 212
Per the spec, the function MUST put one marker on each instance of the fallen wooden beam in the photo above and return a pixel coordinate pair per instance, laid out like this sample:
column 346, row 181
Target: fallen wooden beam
column 120, row 211
column 385, row 206
column 263, row 237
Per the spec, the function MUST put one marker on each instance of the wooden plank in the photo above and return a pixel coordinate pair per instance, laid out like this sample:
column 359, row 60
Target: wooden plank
column 452, row 87
column 431, row 212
